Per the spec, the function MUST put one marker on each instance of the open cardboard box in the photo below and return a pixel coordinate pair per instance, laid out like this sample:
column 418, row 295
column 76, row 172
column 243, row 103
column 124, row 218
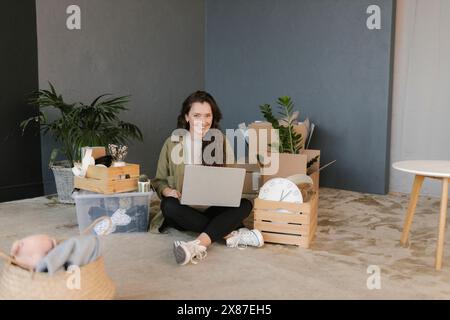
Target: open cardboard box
column 290, row 164
column 97, row 152
column 300, row 128
column 252, row 181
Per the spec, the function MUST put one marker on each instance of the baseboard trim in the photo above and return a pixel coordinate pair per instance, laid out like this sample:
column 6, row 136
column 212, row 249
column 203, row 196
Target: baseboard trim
column 21, row 191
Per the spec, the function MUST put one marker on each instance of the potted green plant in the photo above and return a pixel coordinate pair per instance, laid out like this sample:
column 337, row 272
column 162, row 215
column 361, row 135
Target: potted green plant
column 289, row 140
column 290, row 143
column 79, row 125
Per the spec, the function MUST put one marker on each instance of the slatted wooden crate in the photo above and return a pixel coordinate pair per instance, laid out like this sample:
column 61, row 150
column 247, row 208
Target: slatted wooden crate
column 109, row 180
column 288, row 223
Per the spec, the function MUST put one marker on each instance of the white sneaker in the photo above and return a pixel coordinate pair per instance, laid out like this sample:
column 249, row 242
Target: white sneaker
column 191, row 251
column 245, row 237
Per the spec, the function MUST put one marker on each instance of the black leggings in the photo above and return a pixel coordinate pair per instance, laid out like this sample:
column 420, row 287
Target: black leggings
column 216, row 222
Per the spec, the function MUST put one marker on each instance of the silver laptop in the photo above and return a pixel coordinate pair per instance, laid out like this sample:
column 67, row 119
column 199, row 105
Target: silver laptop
column 212, row 186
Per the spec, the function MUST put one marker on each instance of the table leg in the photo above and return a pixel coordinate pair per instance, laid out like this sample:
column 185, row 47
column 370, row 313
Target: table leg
column 418, row 180
column 442, row 218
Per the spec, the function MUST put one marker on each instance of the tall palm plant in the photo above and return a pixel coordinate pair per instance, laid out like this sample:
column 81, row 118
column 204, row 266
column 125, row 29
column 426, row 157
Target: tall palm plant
column 79, row 124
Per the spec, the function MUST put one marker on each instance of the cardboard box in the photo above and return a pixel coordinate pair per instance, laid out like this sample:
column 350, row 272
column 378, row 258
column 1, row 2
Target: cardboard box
column 290, row 164
column 248, row 167
column 252, row 181
column 300, row 128
column 97, row 152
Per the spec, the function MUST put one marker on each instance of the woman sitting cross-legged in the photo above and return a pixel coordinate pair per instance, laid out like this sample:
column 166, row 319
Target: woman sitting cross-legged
column 199, row 114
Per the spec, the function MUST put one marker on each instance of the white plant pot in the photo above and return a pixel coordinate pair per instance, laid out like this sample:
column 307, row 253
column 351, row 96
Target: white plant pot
column 64, row 183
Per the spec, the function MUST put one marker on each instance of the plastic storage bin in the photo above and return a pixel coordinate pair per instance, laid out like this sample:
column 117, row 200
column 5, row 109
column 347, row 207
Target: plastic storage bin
column 129, row 212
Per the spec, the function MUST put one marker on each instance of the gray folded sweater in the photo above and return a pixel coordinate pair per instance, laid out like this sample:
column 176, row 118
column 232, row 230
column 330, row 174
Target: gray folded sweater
column 77, row 251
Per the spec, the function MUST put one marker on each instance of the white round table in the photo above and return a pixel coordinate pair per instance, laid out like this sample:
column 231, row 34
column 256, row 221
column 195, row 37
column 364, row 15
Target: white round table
column 422, row 169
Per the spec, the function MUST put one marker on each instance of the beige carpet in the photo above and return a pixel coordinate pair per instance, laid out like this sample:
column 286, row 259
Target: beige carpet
column 354, row 231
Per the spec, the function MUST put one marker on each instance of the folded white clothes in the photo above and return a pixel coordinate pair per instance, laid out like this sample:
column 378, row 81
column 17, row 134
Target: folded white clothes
column 77, row 251
column 118, row 218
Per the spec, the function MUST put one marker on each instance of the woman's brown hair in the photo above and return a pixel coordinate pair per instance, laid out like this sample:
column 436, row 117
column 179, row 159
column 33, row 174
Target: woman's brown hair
column 202, row 96
column 199, row 96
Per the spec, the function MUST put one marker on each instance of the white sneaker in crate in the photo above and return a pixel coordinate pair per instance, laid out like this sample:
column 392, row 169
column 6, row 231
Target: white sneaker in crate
column 245, row 237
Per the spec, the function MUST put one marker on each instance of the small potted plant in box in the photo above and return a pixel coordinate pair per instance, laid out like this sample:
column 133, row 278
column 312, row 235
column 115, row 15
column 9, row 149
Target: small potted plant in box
column 290, row 144
column 79, row 125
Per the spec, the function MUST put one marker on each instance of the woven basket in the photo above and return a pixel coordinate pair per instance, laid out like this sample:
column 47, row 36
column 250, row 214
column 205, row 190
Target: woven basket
column 19, row 282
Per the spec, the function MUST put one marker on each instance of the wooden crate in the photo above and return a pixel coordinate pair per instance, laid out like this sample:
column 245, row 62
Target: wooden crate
column 109, row 180
column 297, row 226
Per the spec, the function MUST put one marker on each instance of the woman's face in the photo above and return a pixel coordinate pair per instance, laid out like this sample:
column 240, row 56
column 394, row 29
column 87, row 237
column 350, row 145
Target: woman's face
column 200, row 118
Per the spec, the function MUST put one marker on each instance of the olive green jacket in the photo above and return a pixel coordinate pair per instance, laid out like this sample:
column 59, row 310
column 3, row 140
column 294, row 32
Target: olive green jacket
column 170, row 174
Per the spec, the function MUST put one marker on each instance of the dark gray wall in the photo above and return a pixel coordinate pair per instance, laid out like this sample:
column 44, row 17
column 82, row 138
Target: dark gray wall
column 151, row 49
column 321, row 53
column 20, row 155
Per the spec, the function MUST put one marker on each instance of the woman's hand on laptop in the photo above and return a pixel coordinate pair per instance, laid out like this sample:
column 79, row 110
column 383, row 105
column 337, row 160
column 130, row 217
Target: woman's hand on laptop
column 169, row 192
